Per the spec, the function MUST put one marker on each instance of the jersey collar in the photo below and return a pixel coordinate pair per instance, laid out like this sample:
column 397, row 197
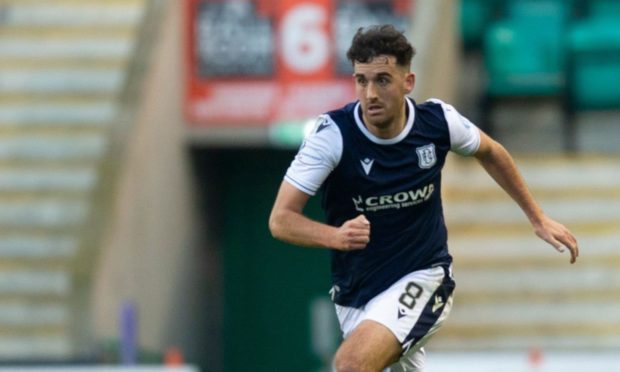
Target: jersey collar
column 384, row 141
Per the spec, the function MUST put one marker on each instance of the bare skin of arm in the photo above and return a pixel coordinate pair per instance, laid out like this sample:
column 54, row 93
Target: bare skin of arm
column 501, row 167
column 288, row 223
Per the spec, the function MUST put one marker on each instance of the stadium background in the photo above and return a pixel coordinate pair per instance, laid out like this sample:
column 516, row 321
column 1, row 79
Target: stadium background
column 142, row 143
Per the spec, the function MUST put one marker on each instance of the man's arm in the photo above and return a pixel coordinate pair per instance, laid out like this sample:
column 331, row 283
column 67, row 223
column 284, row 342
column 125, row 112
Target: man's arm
column 288, row 223
column 501, row 167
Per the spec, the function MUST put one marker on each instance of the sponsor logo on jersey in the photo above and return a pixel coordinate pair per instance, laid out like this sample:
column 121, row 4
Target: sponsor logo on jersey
column 426, row 156
column 321, row 123
column 333, row 292
column 438, row 303
column 398, row 200
column 367, row 164
column 401, row 312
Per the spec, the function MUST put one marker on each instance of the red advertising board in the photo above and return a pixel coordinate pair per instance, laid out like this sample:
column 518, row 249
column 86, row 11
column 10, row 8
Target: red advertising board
column 258, row 62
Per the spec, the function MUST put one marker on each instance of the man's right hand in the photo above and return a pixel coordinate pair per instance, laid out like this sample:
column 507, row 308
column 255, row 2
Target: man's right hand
column 353, row 234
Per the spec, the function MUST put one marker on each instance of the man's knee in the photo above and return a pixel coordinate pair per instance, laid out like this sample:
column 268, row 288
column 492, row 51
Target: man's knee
column 349, row 362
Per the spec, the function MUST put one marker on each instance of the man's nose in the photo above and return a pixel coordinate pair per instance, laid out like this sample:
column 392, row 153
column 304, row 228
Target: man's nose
column 371, row 91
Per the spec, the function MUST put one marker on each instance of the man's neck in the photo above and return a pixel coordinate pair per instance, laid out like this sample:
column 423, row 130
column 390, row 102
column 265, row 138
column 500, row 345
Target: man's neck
column 392, row 129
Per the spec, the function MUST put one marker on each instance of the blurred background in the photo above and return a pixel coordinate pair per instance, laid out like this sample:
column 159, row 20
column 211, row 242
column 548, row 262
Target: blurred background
column 142, row 143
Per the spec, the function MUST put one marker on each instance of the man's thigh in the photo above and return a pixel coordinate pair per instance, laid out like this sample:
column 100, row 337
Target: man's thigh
column 370, row 347
column 411, row 310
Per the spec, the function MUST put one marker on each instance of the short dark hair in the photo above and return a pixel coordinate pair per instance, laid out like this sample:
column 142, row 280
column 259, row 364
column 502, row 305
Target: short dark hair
column 377, row 40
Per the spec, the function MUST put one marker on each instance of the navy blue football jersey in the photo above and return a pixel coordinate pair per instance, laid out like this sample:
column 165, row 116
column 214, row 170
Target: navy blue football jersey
column 395, row 183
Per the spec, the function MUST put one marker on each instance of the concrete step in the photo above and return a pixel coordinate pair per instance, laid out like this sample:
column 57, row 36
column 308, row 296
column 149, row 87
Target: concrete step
column 598, row 131
column 576, row 191
column 61, row 80
column 510, row 253
column 24, row 246
column 46, row 179
column 566, row 194
column 556, row 173
column 510, row 248
column 594, row 209
column 46, row 212
column 75, row 13
column 457, row 339
column 56, row 345
column 534, row 314
column 83, row 48
column 504, row 325
column 514, row 230
column 19, row 64
column 29, row 314
column 533, row 280
column 90, row 146
column 35, row 282
column 51, row 98
column 97, row 113
column 67, row 31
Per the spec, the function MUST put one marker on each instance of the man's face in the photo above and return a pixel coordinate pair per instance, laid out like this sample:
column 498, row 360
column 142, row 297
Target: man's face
column 381, row 86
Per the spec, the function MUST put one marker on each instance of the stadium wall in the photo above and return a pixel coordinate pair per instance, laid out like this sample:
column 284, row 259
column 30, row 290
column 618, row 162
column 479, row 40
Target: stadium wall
column 151, row 256
column 434, row 34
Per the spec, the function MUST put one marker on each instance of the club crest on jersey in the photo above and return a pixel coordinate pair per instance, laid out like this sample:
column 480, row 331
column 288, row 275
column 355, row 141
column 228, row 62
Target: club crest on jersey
column 321, row 123
column 426, row 156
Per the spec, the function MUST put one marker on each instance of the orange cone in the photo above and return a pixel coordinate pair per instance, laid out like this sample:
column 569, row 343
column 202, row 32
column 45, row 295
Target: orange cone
column 173, row 357
column 535, row 357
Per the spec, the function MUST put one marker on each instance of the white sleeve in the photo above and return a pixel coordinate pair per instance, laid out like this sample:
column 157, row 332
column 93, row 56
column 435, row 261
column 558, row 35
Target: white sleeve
column 464, row 135
column 317, row 157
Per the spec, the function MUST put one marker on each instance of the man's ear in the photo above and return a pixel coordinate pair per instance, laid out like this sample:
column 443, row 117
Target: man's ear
column 409, row 82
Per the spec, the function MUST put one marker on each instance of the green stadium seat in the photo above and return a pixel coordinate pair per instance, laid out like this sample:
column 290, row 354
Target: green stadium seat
column 547, row 10
column 604, row 9
column 594, row 73
column 525, row 54
column 475, row 17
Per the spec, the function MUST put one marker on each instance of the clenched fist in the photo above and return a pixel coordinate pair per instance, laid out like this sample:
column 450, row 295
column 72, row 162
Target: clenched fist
column 353, row 234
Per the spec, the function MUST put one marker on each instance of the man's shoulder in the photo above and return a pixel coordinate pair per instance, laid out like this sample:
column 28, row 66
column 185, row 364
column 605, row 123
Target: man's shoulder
column 432, row 105
column 432, row 110
column 345, row 112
